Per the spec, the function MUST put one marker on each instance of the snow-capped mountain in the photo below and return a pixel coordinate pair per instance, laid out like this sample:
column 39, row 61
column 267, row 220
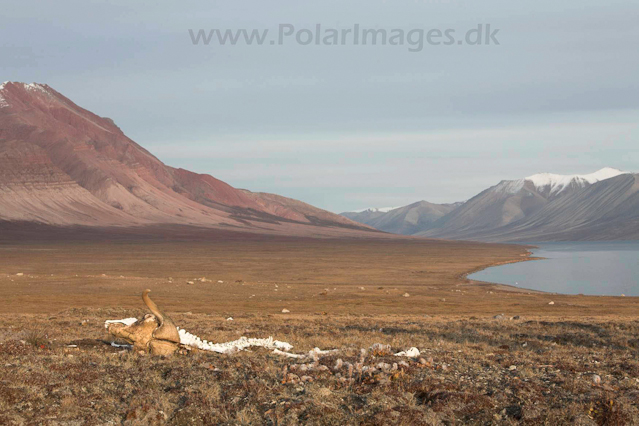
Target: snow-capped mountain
column 554, row 184
column 545, row 207
column 603, row 205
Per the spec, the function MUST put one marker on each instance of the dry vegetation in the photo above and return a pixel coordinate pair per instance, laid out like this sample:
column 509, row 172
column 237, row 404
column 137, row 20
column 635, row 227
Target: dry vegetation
column 573, row 362
column 471, row 371
column 246, row 273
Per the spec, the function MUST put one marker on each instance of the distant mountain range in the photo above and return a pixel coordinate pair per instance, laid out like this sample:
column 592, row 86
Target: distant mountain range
column 63, row 165
column 407, row 220
column 545, row 207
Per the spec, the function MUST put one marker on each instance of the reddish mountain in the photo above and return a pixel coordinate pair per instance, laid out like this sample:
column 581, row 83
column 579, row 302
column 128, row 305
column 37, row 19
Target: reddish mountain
column 63, row 165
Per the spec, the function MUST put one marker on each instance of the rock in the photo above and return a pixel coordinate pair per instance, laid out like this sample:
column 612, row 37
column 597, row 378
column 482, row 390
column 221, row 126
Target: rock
column 190, row 282
column 499, row 317
column 19, row 274
column 551, row 303
column 362, row 288
column 406, row 295
column 229, row 319
column 285, row 311
column 411, row 353
column 220, row 282
column 512, row 368
column 596, row 379
column 516, row 317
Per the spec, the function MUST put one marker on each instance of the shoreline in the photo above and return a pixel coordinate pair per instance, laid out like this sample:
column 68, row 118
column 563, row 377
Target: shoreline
column 527, row 257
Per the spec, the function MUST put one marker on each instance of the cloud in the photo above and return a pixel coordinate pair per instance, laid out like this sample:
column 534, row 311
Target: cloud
column 342, row 127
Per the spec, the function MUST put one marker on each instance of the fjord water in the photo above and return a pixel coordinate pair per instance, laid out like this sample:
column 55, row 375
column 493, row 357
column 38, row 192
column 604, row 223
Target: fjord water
column 594, row 268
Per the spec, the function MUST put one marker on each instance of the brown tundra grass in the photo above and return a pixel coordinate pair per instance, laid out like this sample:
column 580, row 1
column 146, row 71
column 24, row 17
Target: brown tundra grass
column 572, row 362
column 471, row 371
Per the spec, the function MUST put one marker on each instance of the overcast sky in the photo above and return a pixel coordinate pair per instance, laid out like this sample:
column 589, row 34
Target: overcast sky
column 350, row 126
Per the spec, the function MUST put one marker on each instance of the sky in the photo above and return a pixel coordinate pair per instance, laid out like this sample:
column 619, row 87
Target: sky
column 348, row 126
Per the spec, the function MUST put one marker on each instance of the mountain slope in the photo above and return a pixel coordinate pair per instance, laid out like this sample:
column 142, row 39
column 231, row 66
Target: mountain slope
column 603, row 205
column 64, row 165
column 606, row 210
column 407, row 220
column 542, row 207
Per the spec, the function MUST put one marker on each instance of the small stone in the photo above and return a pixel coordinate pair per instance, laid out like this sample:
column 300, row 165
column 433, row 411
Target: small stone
column 596, row 379
column 406, row 295
column 190, row 282
column 362, row 288
column 551, row 303
column 499, row 317
column 19, row 274
column 285, row 311
column 229, row 319
column 512, row 368
column 220, row 282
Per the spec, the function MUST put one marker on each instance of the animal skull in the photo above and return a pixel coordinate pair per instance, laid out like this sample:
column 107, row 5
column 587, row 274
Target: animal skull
column 156, row 333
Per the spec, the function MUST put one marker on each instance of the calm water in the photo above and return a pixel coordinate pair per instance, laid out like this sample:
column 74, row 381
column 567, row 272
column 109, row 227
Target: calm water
column 601, row 268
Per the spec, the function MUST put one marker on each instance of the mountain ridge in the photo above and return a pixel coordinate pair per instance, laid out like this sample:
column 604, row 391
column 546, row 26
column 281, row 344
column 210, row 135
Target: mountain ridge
column 63, row 165
column 541, row 207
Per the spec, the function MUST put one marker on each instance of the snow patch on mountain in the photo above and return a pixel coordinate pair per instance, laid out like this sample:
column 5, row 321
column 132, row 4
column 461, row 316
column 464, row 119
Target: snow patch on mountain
column 510, row 186
column 3, row 101
column 376, row 210
column 557, row 183
column 35, row 87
